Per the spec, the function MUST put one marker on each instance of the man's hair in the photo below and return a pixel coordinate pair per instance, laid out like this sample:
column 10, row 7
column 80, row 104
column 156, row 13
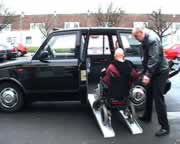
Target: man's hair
column 138, row 28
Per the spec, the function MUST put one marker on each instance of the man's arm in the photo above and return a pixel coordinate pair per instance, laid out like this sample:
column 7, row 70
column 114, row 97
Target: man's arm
column 153, row 58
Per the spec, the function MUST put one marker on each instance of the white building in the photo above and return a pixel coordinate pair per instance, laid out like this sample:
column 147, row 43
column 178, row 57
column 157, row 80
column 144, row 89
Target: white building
column 27, row 38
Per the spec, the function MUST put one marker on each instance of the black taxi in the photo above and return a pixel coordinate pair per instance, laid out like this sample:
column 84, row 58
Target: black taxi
column 60, row 68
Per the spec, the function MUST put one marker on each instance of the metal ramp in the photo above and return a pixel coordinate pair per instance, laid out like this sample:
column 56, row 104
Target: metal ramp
column 107, row 131
column 132, row 124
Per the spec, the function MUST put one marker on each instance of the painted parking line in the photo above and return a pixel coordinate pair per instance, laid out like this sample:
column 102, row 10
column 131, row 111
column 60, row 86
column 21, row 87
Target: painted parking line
column 173, row 115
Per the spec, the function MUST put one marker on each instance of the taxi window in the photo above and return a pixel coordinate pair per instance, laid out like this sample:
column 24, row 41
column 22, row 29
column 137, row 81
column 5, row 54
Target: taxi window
column 98, row 45
column 63, row 45
column 130, row 44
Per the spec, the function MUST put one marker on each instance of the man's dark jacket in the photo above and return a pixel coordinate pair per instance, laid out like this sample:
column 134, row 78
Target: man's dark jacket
column 154, row 61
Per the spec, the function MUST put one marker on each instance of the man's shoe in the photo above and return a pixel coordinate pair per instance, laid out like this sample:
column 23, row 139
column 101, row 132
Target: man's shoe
column 162, row 132
column 145, row 119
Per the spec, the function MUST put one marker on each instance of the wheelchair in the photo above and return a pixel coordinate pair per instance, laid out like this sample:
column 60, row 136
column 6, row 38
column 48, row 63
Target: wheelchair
column 120, row 98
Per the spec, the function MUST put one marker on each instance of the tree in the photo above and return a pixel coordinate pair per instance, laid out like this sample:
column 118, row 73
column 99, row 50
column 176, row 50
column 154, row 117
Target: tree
column 7, row 17
column 160, row 23
column 111, row 17
column 99, row 16
column 47, row 25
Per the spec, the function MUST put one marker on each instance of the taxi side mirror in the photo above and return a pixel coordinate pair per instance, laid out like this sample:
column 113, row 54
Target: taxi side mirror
column 44, row 55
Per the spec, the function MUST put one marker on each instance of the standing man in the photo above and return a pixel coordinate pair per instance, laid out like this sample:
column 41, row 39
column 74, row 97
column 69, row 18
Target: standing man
column 155, row 74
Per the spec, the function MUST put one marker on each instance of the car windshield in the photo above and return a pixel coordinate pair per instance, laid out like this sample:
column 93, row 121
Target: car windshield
column 130, row 44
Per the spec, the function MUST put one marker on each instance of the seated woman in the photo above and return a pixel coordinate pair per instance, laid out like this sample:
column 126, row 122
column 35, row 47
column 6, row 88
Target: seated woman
column 118, row 78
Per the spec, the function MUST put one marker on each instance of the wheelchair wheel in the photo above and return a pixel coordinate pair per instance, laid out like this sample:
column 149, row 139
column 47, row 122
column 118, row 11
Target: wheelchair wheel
column 104, row 115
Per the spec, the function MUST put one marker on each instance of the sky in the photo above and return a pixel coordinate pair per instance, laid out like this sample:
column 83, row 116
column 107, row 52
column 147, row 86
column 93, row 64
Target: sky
column 82, row 6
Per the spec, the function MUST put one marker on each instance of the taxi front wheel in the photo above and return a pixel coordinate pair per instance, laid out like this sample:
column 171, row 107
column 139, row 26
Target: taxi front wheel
column 11, row 97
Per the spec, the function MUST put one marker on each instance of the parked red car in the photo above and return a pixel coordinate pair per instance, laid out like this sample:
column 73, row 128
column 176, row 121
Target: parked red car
column 21, row 50
column 10, row 50
column 172, row 52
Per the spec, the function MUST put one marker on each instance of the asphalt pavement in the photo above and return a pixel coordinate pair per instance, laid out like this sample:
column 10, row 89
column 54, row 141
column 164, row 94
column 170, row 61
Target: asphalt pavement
column 72, row 123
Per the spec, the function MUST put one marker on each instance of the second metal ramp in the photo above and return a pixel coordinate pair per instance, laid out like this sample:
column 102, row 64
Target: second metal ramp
column 107, row 131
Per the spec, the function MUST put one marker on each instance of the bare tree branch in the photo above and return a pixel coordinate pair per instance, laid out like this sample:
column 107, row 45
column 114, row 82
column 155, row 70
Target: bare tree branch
column 159, row 23
column 111, row 17
column 7, row 16
column 47, row 25
column 100, row 17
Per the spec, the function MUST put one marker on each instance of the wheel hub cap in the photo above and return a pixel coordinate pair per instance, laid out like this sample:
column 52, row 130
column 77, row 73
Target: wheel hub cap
column 8, row 97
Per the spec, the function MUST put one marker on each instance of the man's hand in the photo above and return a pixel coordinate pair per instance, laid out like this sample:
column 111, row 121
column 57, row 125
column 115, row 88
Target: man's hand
column 146, row 80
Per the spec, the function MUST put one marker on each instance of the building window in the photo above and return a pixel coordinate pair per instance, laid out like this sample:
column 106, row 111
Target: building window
column 68, row 25
column 178, row 38
column 176, row 26
column 107, row 24
column 8, row 39
column 36, row 26
column 135, row 24
column 28, row 40
column 11, row 40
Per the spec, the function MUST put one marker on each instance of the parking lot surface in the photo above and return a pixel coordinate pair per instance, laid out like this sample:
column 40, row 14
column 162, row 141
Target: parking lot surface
column 72, row 123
